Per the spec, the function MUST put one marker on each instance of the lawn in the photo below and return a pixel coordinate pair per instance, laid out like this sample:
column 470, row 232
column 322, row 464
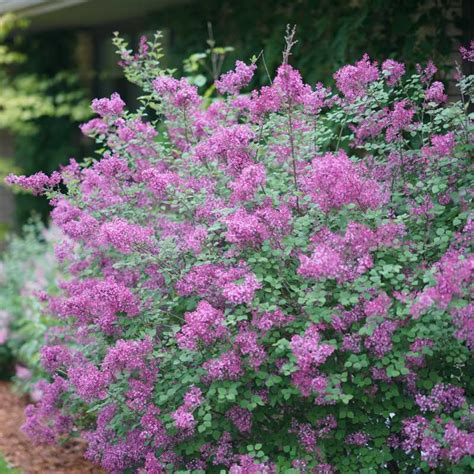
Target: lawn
column 4, row 468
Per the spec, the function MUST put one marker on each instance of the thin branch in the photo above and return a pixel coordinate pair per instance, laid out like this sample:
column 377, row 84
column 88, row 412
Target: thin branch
column 261, row 54
column 289, row 42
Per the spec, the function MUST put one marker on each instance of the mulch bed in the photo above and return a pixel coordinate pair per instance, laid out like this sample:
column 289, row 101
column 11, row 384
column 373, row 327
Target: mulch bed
column 28, row 458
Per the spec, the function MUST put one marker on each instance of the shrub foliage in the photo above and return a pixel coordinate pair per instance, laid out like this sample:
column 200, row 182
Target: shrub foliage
column 28, row 269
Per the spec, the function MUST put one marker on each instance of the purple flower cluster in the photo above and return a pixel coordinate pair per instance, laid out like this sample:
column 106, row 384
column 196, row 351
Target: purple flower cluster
column 380, row 342
column 178, row 92
column 205, row 324
column 264, row 322
column 247, row 184
column 109, row 107
column 310, row 354
column 123, row 236
column 227, row 366
column 241, row 418
column 308, row 435
column 454, row 273
column 244, row 228
column 217, row 283
column 127, row 355
column 228, row 146
column 233, row 81
column 393, row 71
column 345, row 258
column 435, row 93
column 38, row 417
column 183, row 419
column 335, row 181
column 247, row 342
column 467, row 53
column 98, row 301
column 352, row 80
column 443, row 144
column 358, row 439
column 247, row 465
column 400, row 119
column 436, row 442
column 308, row 351
column 446, row 397
column 36, row 183
column 379, row 306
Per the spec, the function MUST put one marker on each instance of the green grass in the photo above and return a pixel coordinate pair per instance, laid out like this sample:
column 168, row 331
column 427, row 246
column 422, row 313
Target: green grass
column 4, row 469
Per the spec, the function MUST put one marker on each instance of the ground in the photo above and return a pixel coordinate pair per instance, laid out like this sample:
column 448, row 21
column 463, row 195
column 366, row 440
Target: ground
column 23, row 455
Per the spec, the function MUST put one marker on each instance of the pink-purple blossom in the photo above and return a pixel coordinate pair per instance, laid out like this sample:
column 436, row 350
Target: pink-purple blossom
column 335, row 181
column 400, row 119
column 467, row 53
column 205, row 324
column 435, row 93
column 233, row 81
column 109, row 107
column 36, row 183
column 179, row 92
column 124, row 236
column 352, row 80
column 393, row 71
column 241, row 418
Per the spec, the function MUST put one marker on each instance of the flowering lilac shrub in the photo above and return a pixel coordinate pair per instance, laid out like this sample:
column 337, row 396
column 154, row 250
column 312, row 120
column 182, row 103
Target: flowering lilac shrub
column 279, row 281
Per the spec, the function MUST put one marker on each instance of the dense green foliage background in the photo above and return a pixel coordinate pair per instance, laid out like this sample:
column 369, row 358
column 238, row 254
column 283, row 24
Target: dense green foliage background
column 330, row 32
column 42, row 103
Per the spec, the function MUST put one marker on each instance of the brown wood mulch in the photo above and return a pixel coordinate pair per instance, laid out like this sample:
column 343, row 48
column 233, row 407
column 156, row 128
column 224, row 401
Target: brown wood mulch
column 29, row 458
